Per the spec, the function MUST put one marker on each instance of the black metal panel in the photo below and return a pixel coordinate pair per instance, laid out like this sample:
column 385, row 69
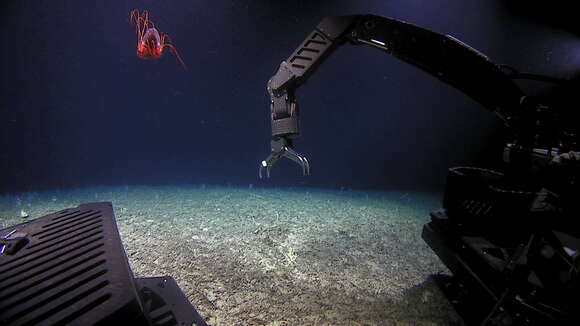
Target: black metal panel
column 310, row 53
column 166, row 304
column 306, row 54
column 73, row 270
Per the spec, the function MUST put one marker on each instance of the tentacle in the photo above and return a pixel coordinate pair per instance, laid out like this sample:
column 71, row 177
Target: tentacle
column 133, row 16
column 165, row 38
column 142, row 22
column 174, row 51
column 146, row 20
column 137, row 19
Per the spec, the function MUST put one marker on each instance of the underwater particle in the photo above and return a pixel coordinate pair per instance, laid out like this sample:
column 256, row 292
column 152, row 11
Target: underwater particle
column 23, row 213
column 426, row 296
column 151, row 42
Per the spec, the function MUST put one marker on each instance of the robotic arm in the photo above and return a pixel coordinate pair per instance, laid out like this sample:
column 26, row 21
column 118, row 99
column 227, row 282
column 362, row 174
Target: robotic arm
column 541, row 135
column 443, row 56
column 511, row 242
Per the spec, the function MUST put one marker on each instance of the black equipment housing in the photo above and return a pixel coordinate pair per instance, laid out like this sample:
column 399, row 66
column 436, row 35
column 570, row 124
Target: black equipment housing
column 510, row 263
column 72, row 269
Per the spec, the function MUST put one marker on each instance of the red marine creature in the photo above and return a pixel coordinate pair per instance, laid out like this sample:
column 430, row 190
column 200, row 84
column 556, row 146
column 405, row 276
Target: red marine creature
column 150, row 42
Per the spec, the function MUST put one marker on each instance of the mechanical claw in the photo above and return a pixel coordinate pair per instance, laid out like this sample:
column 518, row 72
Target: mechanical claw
column 282, row 147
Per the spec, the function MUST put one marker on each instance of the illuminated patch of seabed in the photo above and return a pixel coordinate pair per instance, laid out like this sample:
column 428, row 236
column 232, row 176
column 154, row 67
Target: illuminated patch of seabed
column 275, row 256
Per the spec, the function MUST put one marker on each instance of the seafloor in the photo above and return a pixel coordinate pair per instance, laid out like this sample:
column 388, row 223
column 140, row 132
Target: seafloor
column 275, row 256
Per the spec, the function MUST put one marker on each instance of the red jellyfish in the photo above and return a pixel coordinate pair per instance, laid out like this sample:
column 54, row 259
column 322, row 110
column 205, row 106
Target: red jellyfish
column 150, row 42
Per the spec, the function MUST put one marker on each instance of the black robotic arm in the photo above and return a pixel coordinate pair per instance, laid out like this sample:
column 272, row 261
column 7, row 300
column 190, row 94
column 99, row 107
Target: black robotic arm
column 443, row 56
column 509, row 239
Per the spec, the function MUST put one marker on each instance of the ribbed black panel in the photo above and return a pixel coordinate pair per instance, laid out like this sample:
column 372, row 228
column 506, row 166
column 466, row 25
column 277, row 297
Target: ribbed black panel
column 73, row 271
column 308, row 52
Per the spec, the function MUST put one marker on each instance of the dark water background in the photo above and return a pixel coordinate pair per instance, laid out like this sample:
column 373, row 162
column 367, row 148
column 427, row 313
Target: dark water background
column 78, row 108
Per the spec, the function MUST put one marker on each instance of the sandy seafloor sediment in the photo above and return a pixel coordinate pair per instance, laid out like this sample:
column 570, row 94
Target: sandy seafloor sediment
column 275, row 256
